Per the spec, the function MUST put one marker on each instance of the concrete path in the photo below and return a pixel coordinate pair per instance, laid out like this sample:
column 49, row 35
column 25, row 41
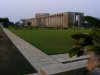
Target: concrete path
column 41, row 61
column 64, row 58
column 35, row 56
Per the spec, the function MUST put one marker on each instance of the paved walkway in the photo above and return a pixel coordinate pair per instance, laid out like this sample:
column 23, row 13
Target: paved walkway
column 12, row 62
column 64, row 58
column 36, row 57
column 39, row 59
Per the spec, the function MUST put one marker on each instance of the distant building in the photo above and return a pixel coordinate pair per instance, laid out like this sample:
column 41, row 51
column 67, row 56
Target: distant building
column 61, row 20
column 41, row 15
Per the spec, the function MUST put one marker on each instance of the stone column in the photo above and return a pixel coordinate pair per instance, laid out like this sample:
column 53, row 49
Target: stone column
column 79, row 20
column 65, row 20
column 35, row 22
column 61, row 20
column 57, row 20
column 54, row 21
column 49, row 21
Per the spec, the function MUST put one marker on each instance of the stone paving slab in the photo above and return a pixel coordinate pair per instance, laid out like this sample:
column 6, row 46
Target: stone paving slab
column 36, row 57
column 55, row 69
column 65, row 58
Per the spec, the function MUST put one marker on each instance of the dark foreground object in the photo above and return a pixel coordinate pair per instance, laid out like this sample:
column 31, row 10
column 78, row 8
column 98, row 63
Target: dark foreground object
column 12, row 62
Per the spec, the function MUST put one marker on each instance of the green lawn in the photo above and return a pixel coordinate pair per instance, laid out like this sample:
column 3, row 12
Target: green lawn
column 49, row 41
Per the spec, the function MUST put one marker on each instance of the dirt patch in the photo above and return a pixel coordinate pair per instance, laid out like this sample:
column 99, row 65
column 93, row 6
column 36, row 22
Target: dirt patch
column 12, row 62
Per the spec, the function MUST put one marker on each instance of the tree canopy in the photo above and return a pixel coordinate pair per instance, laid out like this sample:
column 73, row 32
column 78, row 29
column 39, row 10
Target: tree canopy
column 92, row 20
column 89, row 41
column 5, row 21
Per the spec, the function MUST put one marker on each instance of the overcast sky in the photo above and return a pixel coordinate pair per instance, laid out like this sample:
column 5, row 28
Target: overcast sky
column 18, row 9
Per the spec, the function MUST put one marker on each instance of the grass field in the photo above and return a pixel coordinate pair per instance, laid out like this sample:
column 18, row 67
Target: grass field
column 49, row 41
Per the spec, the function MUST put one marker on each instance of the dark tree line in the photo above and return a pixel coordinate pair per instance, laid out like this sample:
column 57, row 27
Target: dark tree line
column 6, row 22
column 95, row 22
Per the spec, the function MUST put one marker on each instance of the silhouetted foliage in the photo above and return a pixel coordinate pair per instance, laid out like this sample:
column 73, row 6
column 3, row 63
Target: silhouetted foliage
column 87, row 41
column 80, row 41
column 92, row 20
column 5, row 21
column 28, row 23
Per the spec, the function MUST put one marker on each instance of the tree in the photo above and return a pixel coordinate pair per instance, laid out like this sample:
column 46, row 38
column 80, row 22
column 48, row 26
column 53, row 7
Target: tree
column 88, row 43
column 92, row 20
column 23, row 22
column 5, row 21
column 29, row 24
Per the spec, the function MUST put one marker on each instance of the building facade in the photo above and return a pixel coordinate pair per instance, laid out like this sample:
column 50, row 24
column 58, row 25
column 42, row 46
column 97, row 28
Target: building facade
column 61, row 20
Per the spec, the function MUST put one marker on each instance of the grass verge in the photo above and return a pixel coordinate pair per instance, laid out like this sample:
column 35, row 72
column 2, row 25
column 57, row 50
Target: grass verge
column 49, row 41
